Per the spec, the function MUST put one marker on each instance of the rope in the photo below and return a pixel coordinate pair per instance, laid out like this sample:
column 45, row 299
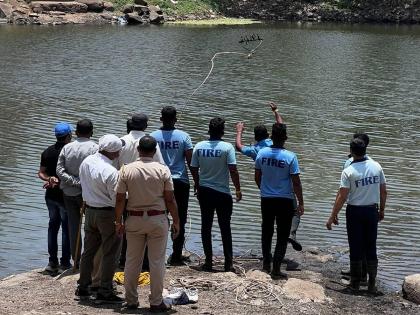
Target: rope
column 248, row 55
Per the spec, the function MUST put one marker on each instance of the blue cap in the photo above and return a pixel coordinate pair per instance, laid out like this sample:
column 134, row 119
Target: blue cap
column 62, row 129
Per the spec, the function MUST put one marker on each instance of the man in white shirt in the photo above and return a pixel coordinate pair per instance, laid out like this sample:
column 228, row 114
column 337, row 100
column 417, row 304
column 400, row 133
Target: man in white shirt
column 129, row 154
column 98, row 179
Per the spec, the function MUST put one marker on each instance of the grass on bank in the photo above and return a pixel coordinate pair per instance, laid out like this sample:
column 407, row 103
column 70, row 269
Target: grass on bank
column 183, row 7
column 218, row 21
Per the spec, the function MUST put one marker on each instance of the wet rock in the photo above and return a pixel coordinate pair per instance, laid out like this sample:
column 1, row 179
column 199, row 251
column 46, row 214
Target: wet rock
column 141, row 9
column 155, row 18
column 155, row 8
column 46, row 6
column 109, row 6
column 134, row 18
column 93, row 5
column 304, row 291
column 411, row 288
column 5, row 10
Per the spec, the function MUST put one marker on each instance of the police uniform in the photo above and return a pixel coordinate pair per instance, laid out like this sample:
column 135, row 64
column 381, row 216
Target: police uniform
column 277, row 199
column 173, row 145
column 213, row 157
column 363, row 179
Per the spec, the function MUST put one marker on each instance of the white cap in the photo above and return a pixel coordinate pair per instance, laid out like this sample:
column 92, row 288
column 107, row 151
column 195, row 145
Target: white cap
column 110, row 143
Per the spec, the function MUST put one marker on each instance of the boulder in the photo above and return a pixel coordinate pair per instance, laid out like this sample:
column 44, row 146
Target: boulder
column 156, row 18
column 304, row 291
column 109, row 6
column 128, row 8
column 140, row 2
column 134, row 18
column 5, row 10
column 70, row 7
column 141, row 9
column 411, row 288
column 93, row 5
column 155, row 8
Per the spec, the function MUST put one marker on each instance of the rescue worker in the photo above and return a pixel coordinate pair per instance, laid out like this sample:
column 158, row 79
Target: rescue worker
column 277, row 177
column 363, row 186
column 212, row 162
column 176, row 148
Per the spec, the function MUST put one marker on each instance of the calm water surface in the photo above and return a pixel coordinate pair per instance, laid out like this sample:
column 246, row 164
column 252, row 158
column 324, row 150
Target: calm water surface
column 329, row 80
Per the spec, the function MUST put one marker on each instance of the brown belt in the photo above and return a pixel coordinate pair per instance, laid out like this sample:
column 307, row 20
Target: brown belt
column 150, row 213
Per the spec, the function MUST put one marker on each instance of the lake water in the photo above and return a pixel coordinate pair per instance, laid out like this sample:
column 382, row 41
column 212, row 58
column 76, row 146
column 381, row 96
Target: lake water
column 329, row 81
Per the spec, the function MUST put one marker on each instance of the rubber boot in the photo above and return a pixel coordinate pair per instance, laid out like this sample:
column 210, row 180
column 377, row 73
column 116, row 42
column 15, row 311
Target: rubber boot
column 276, row 273
column 363, row 280
column 355, row 275
column 267, row 264
column 372, row 270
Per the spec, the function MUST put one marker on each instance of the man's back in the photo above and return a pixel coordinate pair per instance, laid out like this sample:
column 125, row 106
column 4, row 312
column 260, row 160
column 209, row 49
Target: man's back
column 98, row 179
column 173, row 144
column 213, row 158
column 145, row 181
column 252, row 150
column 69, row 160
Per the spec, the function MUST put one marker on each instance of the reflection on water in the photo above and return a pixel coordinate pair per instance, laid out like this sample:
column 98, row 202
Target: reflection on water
column 329, row 80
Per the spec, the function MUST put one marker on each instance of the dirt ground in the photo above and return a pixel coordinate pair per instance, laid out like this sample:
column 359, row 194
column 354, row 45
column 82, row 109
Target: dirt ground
column 315, row 289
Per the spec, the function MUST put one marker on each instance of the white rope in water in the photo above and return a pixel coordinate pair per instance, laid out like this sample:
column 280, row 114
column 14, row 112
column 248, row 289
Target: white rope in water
column 248, row 55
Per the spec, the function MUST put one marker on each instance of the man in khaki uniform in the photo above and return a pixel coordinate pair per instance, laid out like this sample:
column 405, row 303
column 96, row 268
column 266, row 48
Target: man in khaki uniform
column 150, row 193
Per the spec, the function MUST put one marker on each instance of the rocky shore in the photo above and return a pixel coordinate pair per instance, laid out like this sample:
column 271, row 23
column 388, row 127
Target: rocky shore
column 315, row 289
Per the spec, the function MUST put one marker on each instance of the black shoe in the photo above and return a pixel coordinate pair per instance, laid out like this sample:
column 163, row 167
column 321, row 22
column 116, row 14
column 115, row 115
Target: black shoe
column 229, row 268
column 51, row 268
column 108, row 299
column 295, row 244
column 82, row 293
column 161, row 308
column 278, row 275
column 93, row 290
column 267, row 267
column 175, row 261
column 208, row 267
column 127, row 306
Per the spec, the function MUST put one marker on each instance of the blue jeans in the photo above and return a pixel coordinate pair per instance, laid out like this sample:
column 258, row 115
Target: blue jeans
column 58, row 217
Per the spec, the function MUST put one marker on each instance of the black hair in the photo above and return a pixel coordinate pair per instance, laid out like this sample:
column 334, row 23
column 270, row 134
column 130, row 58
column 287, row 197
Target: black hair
column 217, row 127
column 62, row 138
column 168, row 114
column 279, row 132
column 147, row 144
column 260, row 132
column 129, row 125
column 84, row 127
column 358, row 147
column 362, row 136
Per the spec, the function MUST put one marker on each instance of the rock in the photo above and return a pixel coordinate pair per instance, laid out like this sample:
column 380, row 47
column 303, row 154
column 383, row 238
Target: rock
column 56, row 13
column 258, row 275
column 128, row 8
column 141, row 9
column 411, row 288
column 109, row 6
column 140, row 2
column 93, row 5
column 70, row 7
column 156, row 18
column 134, row 18
column 5, row 10
column 304, row 291
column 155, row 8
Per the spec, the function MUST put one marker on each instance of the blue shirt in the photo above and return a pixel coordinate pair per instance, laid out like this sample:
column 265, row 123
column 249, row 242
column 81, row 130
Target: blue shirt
column 213, row 158
column 252, row 150
column 363, row 178
column 173, row 144
column 277, row 165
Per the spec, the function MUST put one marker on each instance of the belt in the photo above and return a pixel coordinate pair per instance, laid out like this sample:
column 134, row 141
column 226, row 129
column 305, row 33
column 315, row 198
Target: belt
column 101, row 208
column 150, row 213
column 374, row 205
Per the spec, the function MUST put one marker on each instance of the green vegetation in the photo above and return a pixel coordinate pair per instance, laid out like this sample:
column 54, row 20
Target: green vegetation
column 220, row 21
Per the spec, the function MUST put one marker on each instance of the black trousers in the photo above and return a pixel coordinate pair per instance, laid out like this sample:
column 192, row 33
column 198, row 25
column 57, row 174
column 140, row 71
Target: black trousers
column 281, row 211
column 182, row 195
column 362, row 232
column 211, row 200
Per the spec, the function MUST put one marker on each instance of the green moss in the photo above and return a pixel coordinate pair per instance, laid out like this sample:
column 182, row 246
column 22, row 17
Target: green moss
column 222, row 21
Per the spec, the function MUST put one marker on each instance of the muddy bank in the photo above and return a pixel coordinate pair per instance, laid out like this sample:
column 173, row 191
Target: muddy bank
column 315, row 289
